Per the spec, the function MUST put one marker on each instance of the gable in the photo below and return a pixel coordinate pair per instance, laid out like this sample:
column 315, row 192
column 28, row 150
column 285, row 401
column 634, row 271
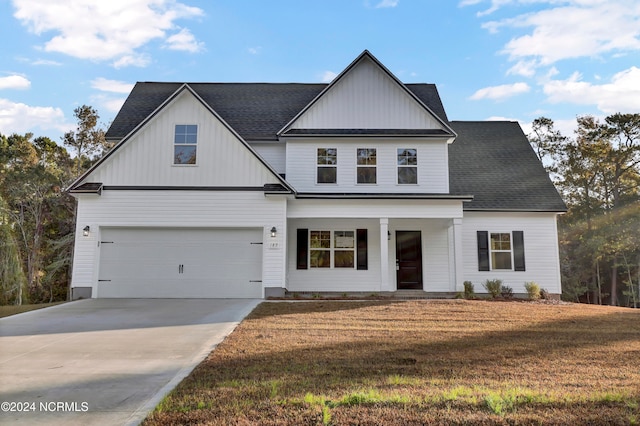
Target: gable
column 367, row 96
column 145, row 157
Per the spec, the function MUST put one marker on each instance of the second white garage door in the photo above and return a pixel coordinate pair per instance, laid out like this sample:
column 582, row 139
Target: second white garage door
column 180, row 263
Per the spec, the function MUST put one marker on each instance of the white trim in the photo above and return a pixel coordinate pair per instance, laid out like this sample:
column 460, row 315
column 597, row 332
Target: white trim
column 332, row 249
column 510, row 251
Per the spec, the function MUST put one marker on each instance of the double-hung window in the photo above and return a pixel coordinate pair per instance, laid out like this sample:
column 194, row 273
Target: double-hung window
column 366, row 165
column 327, row 165
column 332, row 249
column 407, row 166
column 185, row 144
column 501, row 251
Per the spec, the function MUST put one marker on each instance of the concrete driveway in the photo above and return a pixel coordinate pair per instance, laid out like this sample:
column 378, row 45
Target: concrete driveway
column 106, row 361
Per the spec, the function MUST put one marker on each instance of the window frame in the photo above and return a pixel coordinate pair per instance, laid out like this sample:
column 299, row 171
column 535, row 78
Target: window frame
column 367, row 165
column 326, row 165
column 406, row 166
column 332, row 249
column 493, row 250
column 177, row 144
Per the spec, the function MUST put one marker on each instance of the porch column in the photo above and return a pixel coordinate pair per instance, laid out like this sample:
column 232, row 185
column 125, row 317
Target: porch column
column 458, row 271
column 384, row 254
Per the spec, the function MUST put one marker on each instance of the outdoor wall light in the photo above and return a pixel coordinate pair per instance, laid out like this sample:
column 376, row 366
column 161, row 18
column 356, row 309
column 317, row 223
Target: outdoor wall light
column 86, row 230
column 388, row 235
column 274, row 231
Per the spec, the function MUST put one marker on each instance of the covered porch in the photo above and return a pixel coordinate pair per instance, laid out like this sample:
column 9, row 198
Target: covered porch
column 374, row 246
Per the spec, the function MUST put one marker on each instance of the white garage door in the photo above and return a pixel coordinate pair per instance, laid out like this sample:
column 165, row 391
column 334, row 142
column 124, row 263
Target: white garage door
column 180, row 263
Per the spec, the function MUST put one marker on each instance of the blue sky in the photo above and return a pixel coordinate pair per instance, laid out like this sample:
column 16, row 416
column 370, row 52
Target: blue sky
column 491, row 59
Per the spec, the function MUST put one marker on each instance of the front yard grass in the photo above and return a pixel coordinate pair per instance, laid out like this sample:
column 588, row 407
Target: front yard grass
column 7, row 310
column 417, row 362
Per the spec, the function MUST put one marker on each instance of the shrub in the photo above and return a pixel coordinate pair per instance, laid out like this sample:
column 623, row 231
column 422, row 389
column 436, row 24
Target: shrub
column 506, row 292
column 533, row 290
column 493, row 287
column 544, row 294
column 469, row 291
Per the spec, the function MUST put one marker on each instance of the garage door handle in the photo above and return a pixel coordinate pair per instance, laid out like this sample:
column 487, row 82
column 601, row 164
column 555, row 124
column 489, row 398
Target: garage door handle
column 255, row 281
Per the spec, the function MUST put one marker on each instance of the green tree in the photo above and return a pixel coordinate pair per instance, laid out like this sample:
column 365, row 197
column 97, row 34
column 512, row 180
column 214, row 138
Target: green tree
column 88, row 139
column 598, row 175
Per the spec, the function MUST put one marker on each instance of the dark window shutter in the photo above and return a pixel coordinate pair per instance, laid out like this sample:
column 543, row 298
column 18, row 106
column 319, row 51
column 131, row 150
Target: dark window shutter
column 518, row 250
column 361, row 244
column 302, row 248
column 483, row 250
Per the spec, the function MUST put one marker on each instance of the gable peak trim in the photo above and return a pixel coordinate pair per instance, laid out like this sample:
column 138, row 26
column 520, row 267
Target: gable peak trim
column 368, row 55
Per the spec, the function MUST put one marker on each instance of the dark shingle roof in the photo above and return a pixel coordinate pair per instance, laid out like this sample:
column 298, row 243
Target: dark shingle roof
column 257, row 111
column 493, row 161
column 490, row 160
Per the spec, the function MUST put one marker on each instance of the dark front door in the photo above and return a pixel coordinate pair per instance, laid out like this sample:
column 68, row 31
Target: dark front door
column 409, row 260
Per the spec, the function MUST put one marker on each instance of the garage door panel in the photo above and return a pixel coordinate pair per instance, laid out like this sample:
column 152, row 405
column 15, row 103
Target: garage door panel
column 180, row 263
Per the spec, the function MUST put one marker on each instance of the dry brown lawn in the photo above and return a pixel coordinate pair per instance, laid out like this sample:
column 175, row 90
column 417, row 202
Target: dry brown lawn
column 8, row 310
column 418, row 362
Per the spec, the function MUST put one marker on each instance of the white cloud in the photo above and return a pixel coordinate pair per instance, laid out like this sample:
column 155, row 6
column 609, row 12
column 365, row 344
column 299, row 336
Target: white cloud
column 254, row 50
column 501, row 92
column 132, row 61
column 106, row 85
column 14, row 82
column 107, row 103
column 114, row 105
column 387, row 3
column 622, row 94
column 46, row 62
column 21, row 118
column 566, row 29
column 184, row 40
column 104, row 30
column 523, row 68
column 328, row 76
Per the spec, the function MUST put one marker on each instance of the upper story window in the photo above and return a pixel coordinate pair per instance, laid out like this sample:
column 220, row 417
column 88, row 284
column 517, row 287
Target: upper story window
column 366, row 165
column 327, row 165
column 407, row 166
column 185, row 144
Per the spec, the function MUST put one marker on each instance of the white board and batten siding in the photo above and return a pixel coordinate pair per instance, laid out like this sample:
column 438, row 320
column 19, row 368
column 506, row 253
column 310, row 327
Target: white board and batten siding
column 147, row 158
column 433, row 165
column 274, row 153
column 542, row 264
column 366, row 97
column 208, row 211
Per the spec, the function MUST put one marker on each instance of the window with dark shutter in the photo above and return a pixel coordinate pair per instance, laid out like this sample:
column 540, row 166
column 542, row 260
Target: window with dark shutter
column 361, row 244
column 518, row 250
column 483, row 250
column 302, row 247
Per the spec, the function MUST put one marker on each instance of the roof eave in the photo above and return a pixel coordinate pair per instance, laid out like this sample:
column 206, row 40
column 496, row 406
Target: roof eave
column 368, row 54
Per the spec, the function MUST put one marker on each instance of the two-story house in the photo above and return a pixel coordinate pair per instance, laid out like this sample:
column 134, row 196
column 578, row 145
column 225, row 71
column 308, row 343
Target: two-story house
column 361, row 185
